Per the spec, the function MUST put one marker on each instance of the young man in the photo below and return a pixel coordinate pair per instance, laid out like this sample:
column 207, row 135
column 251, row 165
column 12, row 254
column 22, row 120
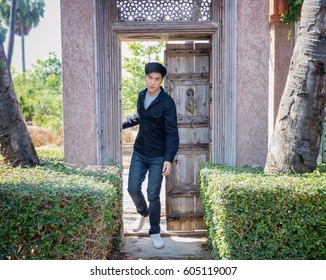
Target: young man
column 155, row 147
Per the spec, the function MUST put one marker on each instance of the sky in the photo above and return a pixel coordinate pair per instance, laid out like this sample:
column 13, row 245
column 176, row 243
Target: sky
column 42, row 40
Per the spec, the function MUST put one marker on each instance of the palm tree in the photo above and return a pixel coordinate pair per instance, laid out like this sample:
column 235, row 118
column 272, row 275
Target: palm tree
column 28, row 15
column 11, row 32
column 298, row 128
column 8, row 13
column 15, row 142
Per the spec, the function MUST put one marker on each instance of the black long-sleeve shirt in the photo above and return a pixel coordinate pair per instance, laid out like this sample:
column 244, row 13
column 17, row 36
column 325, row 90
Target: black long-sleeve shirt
column 158, row 132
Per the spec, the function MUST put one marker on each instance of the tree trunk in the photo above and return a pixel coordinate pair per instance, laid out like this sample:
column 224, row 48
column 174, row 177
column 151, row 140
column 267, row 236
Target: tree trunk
column 296, row 139
column 15, row 142
column 11, row 32
column 23, row 51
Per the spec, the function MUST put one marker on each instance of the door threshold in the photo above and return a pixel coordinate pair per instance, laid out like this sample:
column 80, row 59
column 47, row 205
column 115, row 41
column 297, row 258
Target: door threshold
column 188, row 233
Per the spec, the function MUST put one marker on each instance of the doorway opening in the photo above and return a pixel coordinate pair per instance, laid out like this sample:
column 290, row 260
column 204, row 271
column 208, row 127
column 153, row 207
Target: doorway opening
column 134, row 56
column 118, row 21
column 190, row 61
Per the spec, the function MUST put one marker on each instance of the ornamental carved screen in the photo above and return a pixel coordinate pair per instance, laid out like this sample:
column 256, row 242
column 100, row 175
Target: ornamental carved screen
column 164, row 10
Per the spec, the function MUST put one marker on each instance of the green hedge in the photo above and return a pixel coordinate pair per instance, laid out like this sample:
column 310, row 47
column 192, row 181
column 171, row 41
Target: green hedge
column 54, row 211
column 252, row 215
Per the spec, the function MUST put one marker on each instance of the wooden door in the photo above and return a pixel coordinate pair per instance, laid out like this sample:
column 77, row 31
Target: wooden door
column 188, row 84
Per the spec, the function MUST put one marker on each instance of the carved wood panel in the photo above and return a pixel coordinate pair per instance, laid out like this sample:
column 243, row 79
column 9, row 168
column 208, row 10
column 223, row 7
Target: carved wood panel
column 164, row 10
column 188, row 84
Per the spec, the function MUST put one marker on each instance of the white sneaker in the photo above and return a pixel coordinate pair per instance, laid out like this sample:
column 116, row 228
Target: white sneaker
column 139, row 223
column 157, row 241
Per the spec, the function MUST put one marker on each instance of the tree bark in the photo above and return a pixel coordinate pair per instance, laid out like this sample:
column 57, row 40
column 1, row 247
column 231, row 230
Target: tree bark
column 11, row 32
column 295, row 143
column 15, row 142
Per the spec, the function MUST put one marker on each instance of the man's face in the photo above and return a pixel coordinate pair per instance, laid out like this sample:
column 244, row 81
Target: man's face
column 153, row 82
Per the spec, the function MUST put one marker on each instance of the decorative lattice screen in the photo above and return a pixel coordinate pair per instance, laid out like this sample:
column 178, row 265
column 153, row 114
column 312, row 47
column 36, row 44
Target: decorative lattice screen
column 164, row 10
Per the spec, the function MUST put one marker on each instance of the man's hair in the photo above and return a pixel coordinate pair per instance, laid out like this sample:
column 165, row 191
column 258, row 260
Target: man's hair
column 155, row 67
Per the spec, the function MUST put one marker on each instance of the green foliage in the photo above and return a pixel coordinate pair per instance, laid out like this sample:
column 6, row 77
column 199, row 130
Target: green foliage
column 294, row 11
column 293, row 15
column 251, row 215
column 5, row 11
column 133, row 66
column 55, row 211
column 2, row 64
column 3, row 33
column 39, row 93
column 323, row 142
column 28, row 14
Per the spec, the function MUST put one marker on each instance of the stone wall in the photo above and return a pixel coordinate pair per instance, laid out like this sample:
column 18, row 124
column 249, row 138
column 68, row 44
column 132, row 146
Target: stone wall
column 257, row 89
column 252, row 82
column 79, row 103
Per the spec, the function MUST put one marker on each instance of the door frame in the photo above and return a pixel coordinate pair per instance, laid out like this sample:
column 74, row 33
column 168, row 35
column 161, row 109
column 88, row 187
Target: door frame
column 107, row 37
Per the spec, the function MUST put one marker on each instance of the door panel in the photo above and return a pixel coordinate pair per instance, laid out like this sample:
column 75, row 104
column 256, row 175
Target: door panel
column 193, row 136
column 188, row 84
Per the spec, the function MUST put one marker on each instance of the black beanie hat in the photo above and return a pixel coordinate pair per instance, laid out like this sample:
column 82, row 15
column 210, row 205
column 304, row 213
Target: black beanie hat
column 155, row 67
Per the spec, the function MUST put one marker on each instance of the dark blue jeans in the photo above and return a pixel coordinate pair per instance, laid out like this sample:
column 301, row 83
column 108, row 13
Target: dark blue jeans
column 138, row 168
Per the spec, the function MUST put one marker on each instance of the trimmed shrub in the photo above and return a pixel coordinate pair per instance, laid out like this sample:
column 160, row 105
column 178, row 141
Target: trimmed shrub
column 54, row 211
column 254, row 216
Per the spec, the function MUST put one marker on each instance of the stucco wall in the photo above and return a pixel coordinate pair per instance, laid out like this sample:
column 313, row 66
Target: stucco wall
column 252, row 82
column 79, row 106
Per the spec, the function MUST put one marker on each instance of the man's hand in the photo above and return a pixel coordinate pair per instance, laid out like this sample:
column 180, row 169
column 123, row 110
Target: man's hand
column 166, row 168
